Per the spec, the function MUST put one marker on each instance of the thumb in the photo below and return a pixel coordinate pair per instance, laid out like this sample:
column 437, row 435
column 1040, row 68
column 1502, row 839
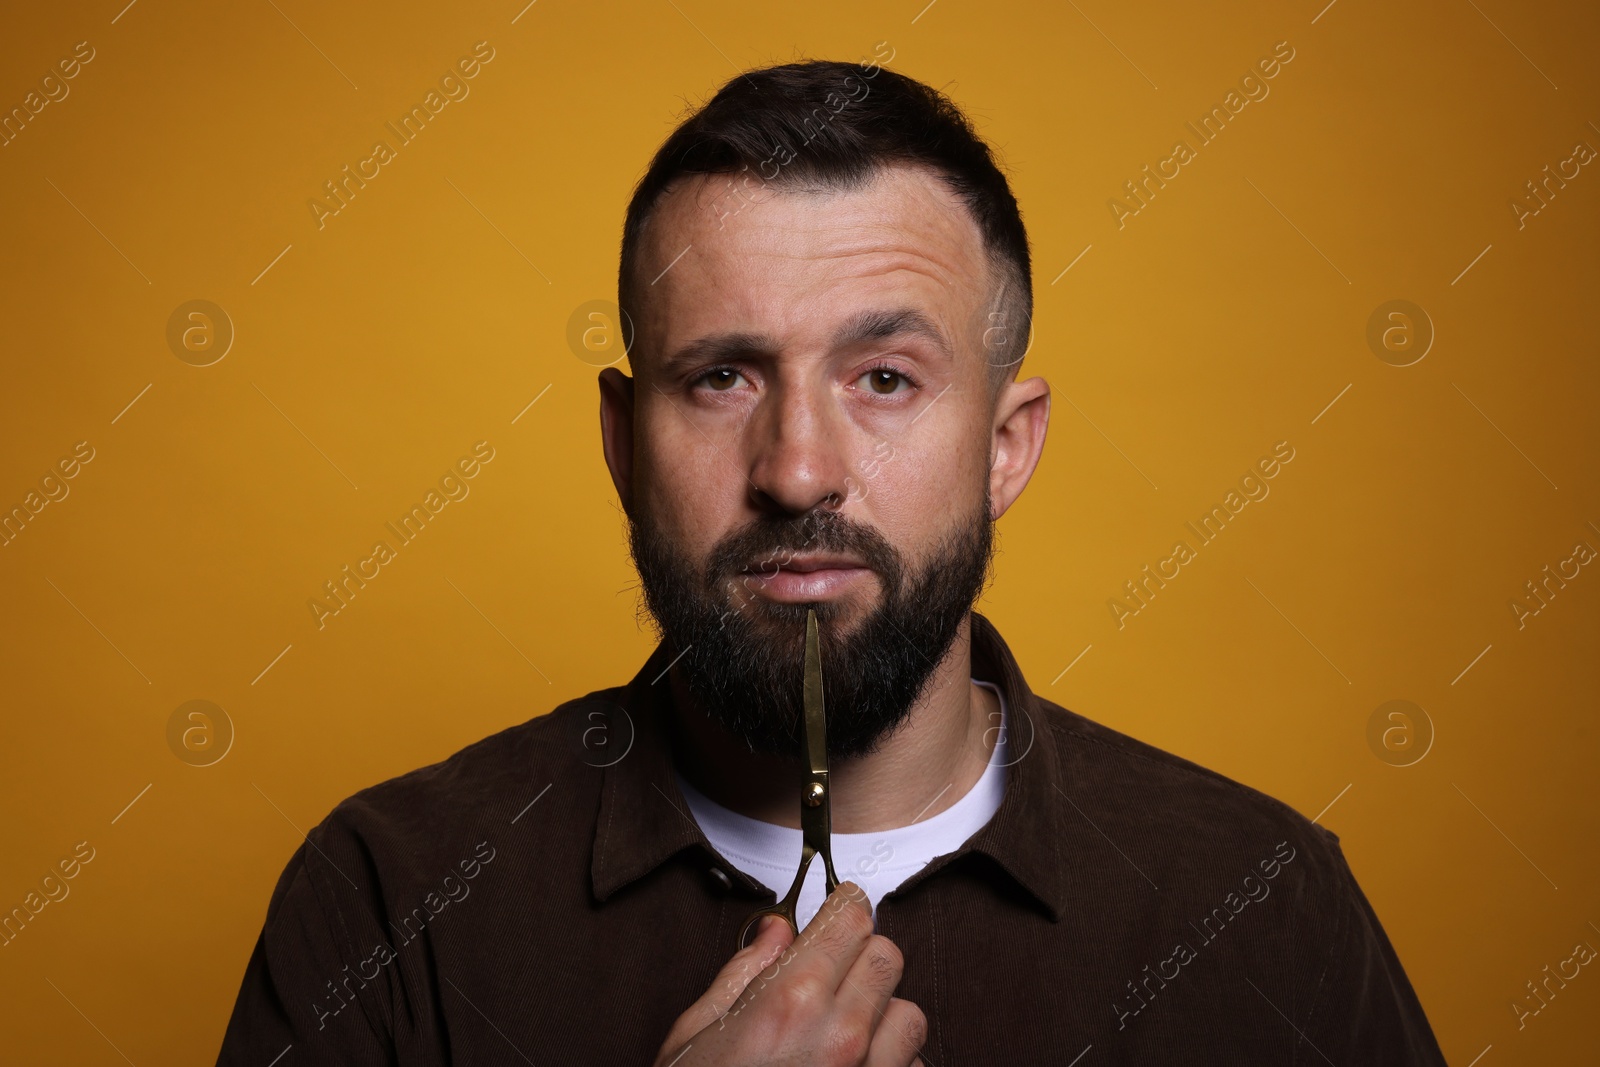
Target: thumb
column 773, row 936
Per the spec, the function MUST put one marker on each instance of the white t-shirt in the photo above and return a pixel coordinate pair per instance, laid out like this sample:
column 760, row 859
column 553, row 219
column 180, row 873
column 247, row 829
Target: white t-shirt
column 878, row 861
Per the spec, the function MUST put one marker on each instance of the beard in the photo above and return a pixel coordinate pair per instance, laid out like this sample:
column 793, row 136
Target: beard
column 742, row 656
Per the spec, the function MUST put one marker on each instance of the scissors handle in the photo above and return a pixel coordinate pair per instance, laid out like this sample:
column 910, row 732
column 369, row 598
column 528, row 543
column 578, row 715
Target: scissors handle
column 785, row 908
column 747, row 932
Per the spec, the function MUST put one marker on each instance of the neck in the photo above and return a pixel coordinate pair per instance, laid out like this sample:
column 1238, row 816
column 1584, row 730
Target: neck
column 926, row 764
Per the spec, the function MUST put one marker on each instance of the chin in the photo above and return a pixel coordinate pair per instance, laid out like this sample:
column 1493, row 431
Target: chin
column 842, row 615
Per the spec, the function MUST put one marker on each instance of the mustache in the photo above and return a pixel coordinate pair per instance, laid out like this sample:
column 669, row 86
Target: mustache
column 766, row 544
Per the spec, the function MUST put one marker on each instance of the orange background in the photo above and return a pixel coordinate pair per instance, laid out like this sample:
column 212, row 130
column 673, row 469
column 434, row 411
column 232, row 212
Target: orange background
column 372, row 353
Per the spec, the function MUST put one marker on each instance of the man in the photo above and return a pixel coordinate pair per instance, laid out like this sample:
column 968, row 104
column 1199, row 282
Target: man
column 830, row 286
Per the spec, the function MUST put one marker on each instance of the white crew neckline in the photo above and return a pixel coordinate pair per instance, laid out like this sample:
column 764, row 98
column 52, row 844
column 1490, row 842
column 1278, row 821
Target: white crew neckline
column 770, row 853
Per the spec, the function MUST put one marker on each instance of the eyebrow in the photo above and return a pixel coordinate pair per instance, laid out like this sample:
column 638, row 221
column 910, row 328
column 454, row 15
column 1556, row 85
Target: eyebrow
column 872, row 325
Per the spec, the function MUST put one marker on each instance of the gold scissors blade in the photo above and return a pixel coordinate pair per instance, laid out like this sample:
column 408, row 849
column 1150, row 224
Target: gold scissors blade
column 816, row 814
column 816, row 723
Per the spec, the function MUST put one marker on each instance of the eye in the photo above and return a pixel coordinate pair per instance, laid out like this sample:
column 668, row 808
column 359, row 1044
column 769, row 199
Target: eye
column 885, row 381
column 720, row 379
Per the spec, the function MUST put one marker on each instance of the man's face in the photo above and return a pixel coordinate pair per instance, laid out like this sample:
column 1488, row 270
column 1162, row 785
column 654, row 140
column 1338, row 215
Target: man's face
column 812, row 426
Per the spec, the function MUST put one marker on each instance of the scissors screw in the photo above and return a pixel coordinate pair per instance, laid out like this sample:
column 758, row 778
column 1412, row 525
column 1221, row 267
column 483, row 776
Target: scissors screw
column 814, row 793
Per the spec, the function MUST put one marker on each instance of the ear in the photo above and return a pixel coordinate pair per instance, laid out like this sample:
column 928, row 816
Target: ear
column 1021, row 417
column 616, row 431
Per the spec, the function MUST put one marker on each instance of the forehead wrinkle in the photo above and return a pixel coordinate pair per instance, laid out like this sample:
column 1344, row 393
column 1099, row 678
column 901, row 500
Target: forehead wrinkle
column 866, row 241
column 949, row 234
column 949, row 249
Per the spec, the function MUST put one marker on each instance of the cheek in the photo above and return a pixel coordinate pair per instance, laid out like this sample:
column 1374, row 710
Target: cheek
column 920, row 492
column 688, row 490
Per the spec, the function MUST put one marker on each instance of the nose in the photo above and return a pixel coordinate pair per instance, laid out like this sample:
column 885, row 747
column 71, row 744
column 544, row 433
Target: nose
column 796, row 446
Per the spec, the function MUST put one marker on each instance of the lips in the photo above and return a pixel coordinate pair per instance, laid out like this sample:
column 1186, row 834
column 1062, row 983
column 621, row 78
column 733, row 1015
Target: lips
column 806, row 565
column 807, row 578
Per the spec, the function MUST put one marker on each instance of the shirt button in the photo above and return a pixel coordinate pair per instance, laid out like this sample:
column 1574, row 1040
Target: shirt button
column 720, row 876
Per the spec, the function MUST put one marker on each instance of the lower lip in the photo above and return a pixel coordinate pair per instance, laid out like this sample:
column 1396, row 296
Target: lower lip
column 800, row 586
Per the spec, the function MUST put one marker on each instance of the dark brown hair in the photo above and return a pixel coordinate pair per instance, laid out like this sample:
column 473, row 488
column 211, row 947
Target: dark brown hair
column 831, row 125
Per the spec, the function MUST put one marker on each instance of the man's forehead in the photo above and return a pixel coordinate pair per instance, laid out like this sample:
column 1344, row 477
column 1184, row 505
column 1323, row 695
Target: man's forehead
column 709, row 247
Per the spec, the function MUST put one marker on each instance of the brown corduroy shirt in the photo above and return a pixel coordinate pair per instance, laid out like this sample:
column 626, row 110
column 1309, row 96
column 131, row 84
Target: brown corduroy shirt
column 544, row 897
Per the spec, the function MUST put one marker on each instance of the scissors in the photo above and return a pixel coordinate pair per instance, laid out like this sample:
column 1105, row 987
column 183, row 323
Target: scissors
column 816, row 818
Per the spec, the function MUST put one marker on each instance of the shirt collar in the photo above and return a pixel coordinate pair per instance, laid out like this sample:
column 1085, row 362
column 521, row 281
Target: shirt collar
column 644, row 820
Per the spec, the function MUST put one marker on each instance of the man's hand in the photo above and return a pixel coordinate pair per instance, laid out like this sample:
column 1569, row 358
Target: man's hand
column 823, row 999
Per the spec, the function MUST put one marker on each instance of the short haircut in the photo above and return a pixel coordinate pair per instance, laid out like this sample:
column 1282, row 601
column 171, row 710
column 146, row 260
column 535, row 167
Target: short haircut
column 831, row 125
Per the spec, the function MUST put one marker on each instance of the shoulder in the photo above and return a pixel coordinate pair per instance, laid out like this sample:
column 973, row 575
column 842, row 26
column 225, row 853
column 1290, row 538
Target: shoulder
column 423, row 821
column 1187, row 818
column 1214, row 851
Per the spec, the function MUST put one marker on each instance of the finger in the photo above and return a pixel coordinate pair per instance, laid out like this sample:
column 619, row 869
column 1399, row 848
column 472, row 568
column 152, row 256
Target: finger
column 871, row 981
column 899, row 1036
column 827, row 948
column 771, row 939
